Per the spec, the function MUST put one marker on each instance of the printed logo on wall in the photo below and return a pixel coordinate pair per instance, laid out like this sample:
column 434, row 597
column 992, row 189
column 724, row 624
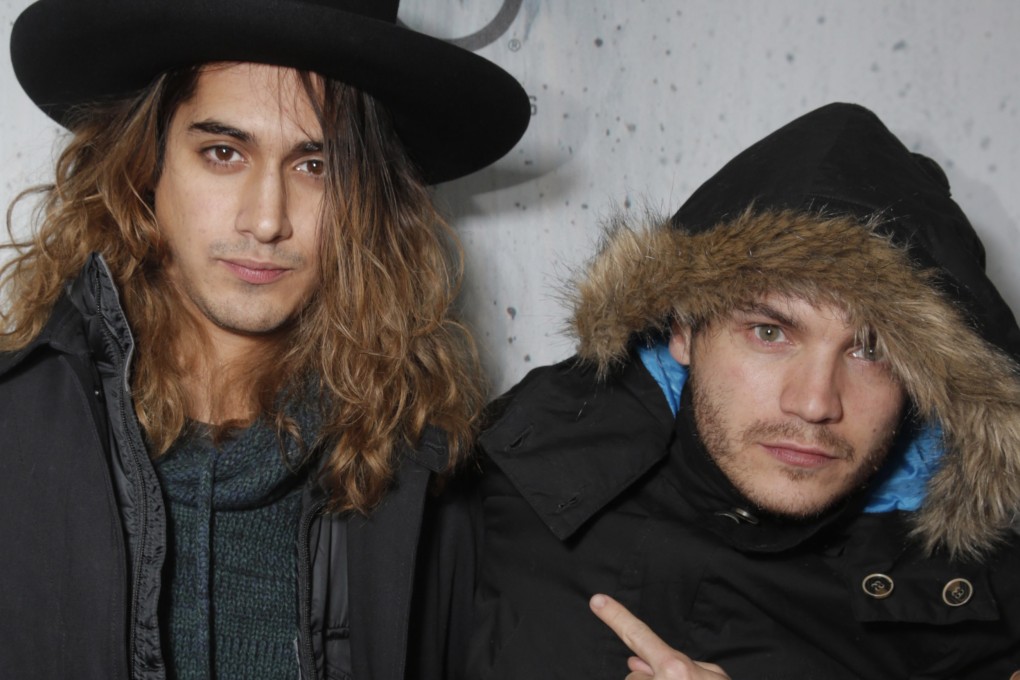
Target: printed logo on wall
column 488, row 33
column 501, row 29
column 474, row 25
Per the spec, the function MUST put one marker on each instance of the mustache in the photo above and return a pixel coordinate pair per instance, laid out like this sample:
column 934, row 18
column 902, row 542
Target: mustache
column 809, row 435
column 257, row 251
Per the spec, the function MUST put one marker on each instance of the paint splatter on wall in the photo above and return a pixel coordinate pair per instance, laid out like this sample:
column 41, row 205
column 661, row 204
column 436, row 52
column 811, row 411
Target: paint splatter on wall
column 636, row 103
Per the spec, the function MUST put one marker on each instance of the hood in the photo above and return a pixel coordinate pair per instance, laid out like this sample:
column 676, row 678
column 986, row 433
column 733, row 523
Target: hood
column 833, row 209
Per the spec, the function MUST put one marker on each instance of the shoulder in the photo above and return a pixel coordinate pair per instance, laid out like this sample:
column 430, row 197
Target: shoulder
column 570, row 396
column 63, row 333
column 569, row 442
column 571, row 378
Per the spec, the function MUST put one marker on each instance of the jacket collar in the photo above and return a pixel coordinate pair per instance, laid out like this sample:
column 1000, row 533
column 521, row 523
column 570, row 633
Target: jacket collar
column 571, row 444
column 431, row 451
column 719, row 507
column 75, row 317
column 571, row 463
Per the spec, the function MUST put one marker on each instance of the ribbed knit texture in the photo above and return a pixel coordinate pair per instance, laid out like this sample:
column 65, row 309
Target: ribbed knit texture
column 229, row 608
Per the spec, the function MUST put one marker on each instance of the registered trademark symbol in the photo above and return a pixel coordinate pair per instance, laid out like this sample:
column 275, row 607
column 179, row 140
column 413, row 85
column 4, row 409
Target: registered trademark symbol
column 492, row 31
column 514, row 44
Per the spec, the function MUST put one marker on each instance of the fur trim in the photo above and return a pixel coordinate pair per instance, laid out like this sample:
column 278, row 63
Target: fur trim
column 644, row 278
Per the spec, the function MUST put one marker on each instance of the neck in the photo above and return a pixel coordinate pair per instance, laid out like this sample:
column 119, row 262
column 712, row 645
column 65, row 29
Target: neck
column 222, row 370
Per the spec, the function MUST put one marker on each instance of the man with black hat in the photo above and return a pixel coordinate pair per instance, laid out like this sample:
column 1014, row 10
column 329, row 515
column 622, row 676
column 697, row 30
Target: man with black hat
column 789, row 442
column 230, row 380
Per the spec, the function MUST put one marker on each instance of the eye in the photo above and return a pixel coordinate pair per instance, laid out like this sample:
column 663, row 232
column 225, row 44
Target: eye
column 868, row 352
column 222, row 154
column 869, row 349
column 315, row 167
column 768, row 333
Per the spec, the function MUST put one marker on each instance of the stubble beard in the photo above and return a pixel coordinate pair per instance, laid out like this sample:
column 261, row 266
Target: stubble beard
column 725, row 451
column 248, row 316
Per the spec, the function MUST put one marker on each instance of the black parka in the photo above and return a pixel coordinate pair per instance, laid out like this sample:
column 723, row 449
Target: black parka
column 591, row 485
column 579, row 498
column 84, row 530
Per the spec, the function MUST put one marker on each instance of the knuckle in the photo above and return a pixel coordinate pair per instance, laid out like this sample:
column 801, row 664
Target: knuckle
column 636, row 633
column 677, row 668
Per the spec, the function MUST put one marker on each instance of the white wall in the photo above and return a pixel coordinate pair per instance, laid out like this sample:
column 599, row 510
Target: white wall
column 638, row 101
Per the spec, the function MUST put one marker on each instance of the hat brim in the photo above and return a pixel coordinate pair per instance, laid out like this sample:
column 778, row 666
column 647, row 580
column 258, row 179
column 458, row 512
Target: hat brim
column 455, row 111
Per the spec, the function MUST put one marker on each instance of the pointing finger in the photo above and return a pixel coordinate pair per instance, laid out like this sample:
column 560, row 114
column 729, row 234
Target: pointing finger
column 634, row 633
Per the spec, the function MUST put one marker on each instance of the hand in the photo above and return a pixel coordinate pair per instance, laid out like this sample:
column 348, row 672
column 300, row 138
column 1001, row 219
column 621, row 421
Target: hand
column 654, row 660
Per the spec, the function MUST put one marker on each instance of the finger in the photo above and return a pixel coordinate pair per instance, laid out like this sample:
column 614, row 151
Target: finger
column 638, row 665
column 711, row 667
column 638, row 637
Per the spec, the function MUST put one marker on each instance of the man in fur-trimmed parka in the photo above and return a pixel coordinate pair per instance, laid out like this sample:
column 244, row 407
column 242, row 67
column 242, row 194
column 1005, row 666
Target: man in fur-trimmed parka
column 789, row 442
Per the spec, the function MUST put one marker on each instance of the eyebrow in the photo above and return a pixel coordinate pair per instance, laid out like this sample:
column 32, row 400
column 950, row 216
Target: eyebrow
column 214, row 127
column 772, row 313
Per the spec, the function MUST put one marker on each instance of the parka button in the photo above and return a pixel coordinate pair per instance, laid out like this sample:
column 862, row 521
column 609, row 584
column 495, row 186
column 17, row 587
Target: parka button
column 957, row 592
column 878, row 586
column 738, row 515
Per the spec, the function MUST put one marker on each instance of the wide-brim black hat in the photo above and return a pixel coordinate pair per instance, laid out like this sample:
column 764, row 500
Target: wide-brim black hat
column 455, row 111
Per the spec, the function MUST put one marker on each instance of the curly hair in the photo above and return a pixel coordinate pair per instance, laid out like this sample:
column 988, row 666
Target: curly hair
column 378, row 340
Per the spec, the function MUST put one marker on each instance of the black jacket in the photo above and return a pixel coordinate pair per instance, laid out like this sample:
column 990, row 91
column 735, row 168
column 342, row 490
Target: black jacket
column 84, row 529
column 593, row 486
column 587, row 490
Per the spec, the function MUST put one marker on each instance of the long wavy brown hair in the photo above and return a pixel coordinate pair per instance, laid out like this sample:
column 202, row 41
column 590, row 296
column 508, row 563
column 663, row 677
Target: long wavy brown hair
column 377, row 341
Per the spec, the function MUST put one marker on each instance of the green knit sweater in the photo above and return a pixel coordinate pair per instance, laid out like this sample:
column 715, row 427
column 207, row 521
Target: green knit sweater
column 229, row 605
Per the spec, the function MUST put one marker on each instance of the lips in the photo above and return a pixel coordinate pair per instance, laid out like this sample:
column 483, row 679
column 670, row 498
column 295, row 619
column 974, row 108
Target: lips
column 256, row 273
column 798, row 455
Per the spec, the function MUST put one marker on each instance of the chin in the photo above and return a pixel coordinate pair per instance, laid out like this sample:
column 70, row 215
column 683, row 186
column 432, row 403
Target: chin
column 790, row 504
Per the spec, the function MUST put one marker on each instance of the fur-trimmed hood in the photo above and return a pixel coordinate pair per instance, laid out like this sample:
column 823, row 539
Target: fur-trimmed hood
column 833, row 209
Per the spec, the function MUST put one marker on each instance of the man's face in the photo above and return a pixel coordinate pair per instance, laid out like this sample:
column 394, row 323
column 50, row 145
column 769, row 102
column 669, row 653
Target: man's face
column 791, row 406
column 239, row 199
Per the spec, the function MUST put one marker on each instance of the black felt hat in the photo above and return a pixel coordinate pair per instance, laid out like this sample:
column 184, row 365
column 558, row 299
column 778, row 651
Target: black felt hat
column 455, row 111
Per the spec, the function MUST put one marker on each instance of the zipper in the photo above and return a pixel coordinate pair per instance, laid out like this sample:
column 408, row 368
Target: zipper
column 141, row 505
column 307, row 655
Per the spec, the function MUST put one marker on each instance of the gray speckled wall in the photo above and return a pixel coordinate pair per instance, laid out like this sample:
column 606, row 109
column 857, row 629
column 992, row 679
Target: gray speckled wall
column 635, row 103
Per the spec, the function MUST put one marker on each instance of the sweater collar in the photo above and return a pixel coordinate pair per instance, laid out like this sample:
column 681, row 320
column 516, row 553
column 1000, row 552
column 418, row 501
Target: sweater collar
column 250, row 468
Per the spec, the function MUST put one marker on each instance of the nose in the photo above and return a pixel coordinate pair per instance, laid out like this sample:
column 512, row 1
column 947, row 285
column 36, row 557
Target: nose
column 263, row 212
column 813, row 389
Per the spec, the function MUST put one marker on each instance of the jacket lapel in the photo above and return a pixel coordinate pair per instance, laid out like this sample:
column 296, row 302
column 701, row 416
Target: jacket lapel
column 382, row 550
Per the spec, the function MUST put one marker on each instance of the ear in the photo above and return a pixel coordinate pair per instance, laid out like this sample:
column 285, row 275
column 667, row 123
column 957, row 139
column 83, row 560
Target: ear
column 680, row 344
